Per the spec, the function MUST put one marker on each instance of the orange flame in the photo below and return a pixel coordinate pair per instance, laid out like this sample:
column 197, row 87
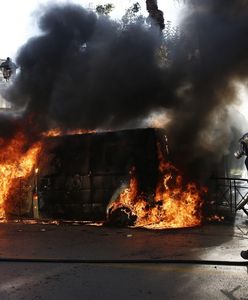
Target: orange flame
column 59, row 132
column 173, row 206
column 15, row 163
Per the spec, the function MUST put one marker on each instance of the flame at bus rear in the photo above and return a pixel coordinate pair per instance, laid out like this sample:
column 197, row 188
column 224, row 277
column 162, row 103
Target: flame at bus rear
column 174, row 205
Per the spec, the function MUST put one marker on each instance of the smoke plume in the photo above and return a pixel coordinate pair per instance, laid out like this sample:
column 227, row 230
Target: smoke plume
column 90, row 72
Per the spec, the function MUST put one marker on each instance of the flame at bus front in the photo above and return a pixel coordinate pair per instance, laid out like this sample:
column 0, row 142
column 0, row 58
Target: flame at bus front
column 16, row 164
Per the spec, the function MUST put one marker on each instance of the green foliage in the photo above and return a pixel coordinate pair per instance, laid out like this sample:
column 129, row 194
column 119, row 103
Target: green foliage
column 131, row 15
column 162, row 56
column 104, row 9
column 171, row 32
column 171, row 35
column 171, row 39
column 135, row 8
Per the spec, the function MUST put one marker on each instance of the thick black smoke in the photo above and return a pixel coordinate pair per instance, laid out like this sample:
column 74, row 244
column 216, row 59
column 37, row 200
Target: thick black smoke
column 86, row 72
column 218, row 57
column 89, row 72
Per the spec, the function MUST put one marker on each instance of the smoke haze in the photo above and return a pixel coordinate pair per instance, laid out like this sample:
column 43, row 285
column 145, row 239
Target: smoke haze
column 86, row 71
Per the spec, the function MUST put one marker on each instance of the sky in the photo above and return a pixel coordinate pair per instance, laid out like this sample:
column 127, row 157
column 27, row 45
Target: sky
column 15, row 30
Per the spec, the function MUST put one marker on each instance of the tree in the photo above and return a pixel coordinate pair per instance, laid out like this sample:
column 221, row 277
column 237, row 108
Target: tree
column 154, row 13
column 105, row 9
column 131, row 14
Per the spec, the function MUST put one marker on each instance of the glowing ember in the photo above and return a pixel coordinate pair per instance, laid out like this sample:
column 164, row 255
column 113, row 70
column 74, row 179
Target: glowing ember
column 216, row 218
column 59, row 132
column 174, row 205
column 16, row 163
column 53, row 132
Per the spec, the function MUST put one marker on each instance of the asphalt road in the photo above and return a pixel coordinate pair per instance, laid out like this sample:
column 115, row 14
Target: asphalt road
column 222, row 243
column 209, row 242
column 121, row 281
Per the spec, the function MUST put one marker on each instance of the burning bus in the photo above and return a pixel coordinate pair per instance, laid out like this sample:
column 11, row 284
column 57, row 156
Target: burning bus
column 124, row 177
column 77, row 175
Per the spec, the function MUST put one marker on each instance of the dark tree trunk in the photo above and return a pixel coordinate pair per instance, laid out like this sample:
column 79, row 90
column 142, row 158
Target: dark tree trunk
column 154, row 13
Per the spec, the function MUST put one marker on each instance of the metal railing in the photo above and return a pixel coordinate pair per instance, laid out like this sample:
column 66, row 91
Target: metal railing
column 231, row 192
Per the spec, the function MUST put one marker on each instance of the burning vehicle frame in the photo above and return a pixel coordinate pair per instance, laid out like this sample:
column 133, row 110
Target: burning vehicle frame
column 122, row 177
column 79, row 174
column 179, row 88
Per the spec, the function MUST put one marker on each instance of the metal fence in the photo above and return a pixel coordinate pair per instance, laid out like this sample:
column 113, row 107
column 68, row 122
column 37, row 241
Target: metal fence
column 231, row 192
